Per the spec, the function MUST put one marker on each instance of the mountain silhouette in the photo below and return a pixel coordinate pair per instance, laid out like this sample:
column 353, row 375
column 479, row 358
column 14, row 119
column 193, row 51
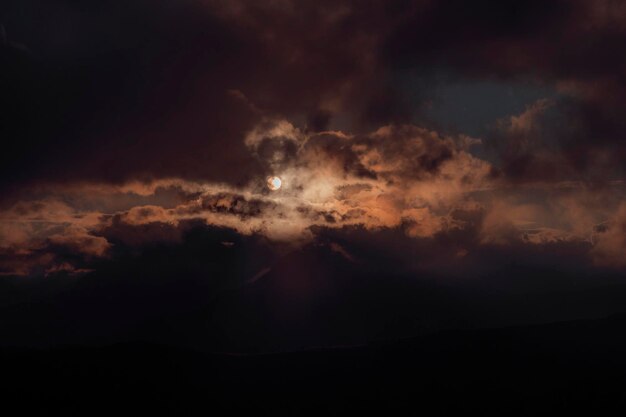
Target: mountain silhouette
column 575, row 366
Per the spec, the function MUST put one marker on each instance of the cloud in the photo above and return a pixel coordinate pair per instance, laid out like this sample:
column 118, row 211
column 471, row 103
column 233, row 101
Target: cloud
column 80, row 241
column 568, row 46
column 398, row 177
column 111, row 100
column 610, row 247
column 200, row 75
column 126, row 136
column 38, row 234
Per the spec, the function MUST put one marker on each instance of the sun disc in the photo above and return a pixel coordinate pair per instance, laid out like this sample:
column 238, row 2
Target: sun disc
column 274, row 183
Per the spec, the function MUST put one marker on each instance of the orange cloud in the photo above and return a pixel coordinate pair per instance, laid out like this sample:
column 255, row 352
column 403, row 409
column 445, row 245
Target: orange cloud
column 397, row 177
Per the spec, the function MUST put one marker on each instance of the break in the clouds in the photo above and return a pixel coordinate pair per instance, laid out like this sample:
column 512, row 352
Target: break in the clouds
column 125, row 125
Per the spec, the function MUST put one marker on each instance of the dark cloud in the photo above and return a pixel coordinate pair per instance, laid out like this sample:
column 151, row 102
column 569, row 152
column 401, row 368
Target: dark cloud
column 110, row 91
column 571, row 46
column 236, row 205
column 138, row 139
column 611, row 238
column 350, row 285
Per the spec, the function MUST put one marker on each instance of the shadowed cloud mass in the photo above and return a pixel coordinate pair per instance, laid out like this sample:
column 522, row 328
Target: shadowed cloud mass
column 138, row 138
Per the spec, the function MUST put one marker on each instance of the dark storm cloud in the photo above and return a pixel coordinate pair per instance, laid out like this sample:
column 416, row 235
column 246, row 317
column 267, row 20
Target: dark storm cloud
column 162, row 89
column 350, row 285
column 527, row 146
column 149, row 89
column 554, row 38
column 573, row 46
column 110, row 91
column 138, row 138
column 236, row 205
column 552, row 141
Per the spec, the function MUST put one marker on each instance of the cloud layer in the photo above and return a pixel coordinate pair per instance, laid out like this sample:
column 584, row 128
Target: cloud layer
column 127, row 125
column 398, row 177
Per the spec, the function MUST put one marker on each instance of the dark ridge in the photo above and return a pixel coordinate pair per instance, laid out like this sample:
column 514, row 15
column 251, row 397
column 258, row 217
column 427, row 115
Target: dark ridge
column 533, row 370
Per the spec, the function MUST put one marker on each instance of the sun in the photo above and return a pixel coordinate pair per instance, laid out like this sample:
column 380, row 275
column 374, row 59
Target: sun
column 274, row 183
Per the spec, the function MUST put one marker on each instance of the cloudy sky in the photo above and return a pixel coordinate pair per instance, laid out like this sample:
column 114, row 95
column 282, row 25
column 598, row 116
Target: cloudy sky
column 440, row 163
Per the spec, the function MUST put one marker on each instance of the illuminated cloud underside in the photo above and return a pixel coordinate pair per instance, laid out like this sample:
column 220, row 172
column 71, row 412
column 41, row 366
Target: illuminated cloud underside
column 397, row 177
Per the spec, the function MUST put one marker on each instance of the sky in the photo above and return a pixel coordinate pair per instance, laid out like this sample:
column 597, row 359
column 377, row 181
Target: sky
column 443, row 164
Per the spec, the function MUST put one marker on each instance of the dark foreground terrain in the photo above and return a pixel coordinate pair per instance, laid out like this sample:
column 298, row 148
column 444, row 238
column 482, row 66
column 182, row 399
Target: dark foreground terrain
column 575, row 366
